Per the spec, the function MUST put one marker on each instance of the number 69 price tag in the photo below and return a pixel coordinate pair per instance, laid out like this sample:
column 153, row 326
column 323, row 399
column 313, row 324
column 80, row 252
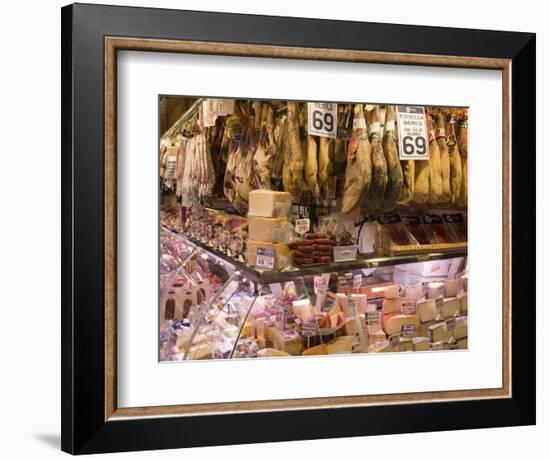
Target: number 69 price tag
column 413, row 135
column 322, row 119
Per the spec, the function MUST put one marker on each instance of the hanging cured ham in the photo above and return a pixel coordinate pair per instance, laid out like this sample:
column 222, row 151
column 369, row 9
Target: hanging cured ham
column 395, row 174
column 462, row 143
column 373, row 199
column 454, row 158
column 441, row 139
column 311, row 166
column 293, row 165
column 265, row 151
column 436, row 189
column 359, row 165
column 324, row 162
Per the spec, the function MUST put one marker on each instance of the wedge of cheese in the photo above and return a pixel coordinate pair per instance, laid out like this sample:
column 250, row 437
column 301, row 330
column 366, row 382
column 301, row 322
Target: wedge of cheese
column 461, row 328
column 271, row 204
column 271, row 352
column 391, row 305
column 343, row 344
column 451, row 307
column 380, row 347
column 421, row 344
column 463, row 297
column 280, row 250
column 426, row 310
column 315, row 351
column 438, row 332
column 392, row 324
column 405, row 344
column 272, row 230
column 290, row 342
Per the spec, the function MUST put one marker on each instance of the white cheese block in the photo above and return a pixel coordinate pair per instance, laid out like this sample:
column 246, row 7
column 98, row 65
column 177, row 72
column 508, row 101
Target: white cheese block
column 394, row 323
column 414, row 292
column 426, row 310
column 272, row 204
column 272, row 230
column 392, row 305
column 421, row 344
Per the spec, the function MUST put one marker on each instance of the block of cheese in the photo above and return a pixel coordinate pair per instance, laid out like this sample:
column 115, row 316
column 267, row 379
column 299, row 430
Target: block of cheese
column 201, row 351
column 280, row 250
column 270, row 352
column 463, row 297
column 393, row 323
column 438, row 332
column 405, row 344
column 350, row 326
column 291, row 342
column 358, row 300
column 461, row 328
column 392, row 305
column 380, row 347
column 462, row 344
column 344, row 344
column 451, row 307
column 272, row 333
column 426, row 310
column 315, row 351
column 271, row 204
column 375, row 333
column 421, row 344
column 272, row 230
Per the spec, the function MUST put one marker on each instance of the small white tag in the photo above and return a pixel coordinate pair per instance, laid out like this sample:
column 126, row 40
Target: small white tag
column 301, row 226
column 265, row 258
column 322, row 119
column 413, row 133
column 359, row 123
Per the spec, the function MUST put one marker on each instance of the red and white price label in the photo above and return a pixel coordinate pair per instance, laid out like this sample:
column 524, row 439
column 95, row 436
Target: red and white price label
column 301, row 226
column 322, row 119
column 413, row 133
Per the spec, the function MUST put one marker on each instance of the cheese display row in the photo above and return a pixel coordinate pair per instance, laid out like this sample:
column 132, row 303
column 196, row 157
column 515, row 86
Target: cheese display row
column 210, row 311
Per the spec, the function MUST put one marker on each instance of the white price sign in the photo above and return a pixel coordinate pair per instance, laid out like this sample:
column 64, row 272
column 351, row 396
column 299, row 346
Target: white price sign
column 322, row 119
column 301, row 226
column 413, row 135
column 265, row 258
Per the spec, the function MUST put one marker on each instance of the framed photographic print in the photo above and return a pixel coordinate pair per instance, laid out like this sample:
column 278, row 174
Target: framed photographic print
column 270, row 222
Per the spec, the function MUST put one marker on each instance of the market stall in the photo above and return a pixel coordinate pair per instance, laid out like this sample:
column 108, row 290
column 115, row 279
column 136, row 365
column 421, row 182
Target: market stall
column 294, row 229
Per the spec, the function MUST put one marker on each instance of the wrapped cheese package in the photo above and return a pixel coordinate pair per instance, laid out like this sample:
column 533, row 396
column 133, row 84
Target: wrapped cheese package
column 272, row 230
column 280, row 250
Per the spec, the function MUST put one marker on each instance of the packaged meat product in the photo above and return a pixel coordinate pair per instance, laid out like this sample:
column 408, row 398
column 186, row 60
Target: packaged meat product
column 437, row 229
column 395, row 228
column 416, row 228
column 457, row 225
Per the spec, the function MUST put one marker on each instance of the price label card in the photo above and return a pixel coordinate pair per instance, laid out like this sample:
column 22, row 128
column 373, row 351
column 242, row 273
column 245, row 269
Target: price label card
column 450, row 324
column 170, row 171
column 372, row 318
column 265, row 258
column 322, row 119
column 408, row 308
column 407, row 330
column 320, row 283
column 357, row 281
column 413, row 135
column 439, row 303
column 309, row 329
column 301, row 226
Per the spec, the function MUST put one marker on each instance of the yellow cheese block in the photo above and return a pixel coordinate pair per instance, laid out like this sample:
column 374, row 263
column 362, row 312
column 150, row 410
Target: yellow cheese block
column 359, row 301
column 405, row 344
column 280, row 250
column 451, row 307
column 270, row 352
column 438, row 332
column 463, row 297
column 350, row 326
column 421, row 344
column 272, row 230
column 246, row 330
column 461, row 328
column 393, row 323
column 344, row 344
column 426, row 310
column 201, row 351
column 462, row 344
column 380, row 347
column 271, row 204
column 291, row 342
column 392, row 305
column 317, row 350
